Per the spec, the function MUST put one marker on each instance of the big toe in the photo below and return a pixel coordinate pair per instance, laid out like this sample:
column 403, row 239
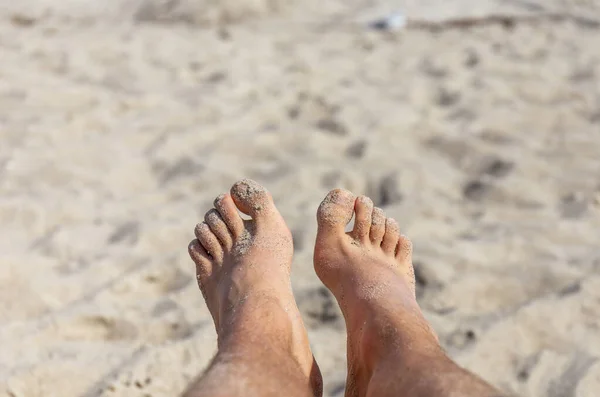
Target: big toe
column 335, row 211
column 252, row 199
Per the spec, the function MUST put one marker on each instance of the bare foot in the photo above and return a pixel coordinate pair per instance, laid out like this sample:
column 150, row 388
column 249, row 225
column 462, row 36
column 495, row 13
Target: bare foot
column 370, row 272
column 243, row 270
column 392, row 349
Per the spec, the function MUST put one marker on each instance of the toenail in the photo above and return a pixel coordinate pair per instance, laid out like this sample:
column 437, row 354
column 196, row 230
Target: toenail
column 219, row 198
column 247, row 188
column 213, row 216
column 339, row 196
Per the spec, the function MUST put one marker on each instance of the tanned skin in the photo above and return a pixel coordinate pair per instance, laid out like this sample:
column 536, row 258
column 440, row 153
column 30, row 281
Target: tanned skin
column 243, row 270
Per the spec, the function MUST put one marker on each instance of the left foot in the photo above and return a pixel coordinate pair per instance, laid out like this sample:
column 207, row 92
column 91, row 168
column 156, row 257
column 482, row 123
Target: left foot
column 392, row 349
column 243, row 270
column 369, row 271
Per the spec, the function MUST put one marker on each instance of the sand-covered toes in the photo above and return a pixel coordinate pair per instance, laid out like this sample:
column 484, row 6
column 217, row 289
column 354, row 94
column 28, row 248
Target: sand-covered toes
column 335, row 212
column 253, row 199
column 243, row 269
column 369, row 271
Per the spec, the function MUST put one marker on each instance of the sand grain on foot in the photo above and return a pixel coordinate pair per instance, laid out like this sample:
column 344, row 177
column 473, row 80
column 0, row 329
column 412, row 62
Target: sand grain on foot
column 117, row 132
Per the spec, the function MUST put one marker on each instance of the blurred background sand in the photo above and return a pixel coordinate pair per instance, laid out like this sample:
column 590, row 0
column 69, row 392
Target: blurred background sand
column 121, row 120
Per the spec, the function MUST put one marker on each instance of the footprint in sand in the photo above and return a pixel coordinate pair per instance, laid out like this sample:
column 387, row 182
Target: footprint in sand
column 193, row 12
column 157, row 281
column 319, row 308
column 165, row 281
column 385, row 191
column 105, row 328
column 98, row 328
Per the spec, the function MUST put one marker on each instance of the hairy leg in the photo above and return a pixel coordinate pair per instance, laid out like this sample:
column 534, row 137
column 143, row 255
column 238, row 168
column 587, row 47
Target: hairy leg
column 243, row 270
column 392, row 349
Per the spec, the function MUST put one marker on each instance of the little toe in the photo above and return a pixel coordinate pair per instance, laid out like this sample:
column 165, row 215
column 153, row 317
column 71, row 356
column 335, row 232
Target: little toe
column 219, row 228
column 229, row 213
column 390, row 238
column 209, row 241
column 363, row 207
column 252, row 199
column 404, row 249
column 202, row 260
column 335, row 211
column 377, row 225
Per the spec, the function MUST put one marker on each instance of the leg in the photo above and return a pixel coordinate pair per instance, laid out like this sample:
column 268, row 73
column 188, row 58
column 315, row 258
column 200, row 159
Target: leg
column 243, row 270
column 392, row 350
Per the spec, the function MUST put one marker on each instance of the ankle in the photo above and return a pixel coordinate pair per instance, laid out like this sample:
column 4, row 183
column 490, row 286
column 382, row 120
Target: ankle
column 252, row 321
column 415, row 373
column 408, row 341
column 255, row 373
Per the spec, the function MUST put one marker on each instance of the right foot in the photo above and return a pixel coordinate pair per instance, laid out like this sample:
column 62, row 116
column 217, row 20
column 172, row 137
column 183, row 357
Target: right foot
column 369, row 270
column 243, row 270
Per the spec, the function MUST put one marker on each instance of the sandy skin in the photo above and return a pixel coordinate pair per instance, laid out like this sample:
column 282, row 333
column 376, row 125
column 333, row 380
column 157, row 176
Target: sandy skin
column 392, row 350
column 243, row 270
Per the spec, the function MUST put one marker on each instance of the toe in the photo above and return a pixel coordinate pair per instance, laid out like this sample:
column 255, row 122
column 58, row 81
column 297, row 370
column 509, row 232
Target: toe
column 229, row 213
column 201, row 259
column 335, row 211
column 377, row 225
column 390, row 238
column 251, row 198
column 209, row 241
column 363, row 207
column 404, row 249
column 219, row 228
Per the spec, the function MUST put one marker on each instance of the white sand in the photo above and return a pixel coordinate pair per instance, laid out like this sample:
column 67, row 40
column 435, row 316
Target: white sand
column 117, row 131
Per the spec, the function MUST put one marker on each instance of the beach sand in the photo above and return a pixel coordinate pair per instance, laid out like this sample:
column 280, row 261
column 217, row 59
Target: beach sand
column 120, row 121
